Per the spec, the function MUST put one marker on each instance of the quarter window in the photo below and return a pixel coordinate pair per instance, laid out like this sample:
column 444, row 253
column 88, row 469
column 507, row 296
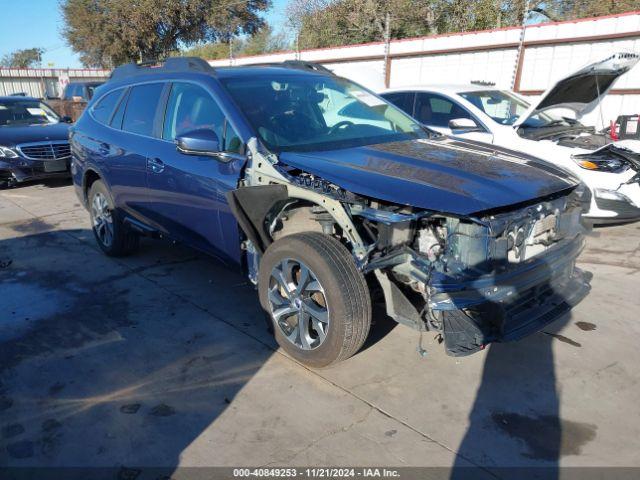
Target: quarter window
column 116, row 120
column 141, row 108
column 104, row 108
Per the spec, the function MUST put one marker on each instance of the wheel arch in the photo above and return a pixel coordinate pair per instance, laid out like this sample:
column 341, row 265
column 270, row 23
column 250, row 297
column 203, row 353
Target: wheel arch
column 252, row 206
column 89, row 177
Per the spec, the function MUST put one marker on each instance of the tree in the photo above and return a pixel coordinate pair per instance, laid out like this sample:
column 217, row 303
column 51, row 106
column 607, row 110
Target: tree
column 324, row 23
column 264, row 41
column 109, row 32
column 572, row 9
column 208, row 51
column 26, row 58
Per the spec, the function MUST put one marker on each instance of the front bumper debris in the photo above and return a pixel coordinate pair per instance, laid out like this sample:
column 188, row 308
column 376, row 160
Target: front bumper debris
column 511, row 305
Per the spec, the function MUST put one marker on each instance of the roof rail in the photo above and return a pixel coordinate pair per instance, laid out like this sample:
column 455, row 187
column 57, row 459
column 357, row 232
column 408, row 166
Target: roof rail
column 297, row 64
column 316, row 67
column 172, row 64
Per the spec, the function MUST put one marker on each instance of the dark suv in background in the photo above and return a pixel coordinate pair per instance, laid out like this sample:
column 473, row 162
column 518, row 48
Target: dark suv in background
column 74, row 99
column 322, row 191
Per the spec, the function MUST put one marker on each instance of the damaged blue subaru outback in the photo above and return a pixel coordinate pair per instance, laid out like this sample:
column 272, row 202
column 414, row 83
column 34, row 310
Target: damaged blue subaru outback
column 328, row 196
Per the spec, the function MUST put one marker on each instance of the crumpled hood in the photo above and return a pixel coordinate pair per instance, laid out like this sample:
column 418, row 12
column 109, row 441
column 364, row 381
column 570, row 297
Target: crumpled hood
column 11, row 135
column 583, row 90
column 442, row 174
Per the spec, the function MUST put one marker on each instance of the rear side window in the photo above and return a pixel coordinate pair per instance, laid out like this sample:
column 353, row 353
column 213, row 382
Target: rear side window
column 402, row 100
column 432, row 109
column 141, row 108
column 104, row 108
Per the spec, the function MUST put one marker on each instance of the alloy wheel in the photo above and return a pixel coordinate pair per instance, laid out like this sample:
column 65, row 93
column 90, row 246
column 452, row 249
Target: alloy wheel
column 298, row 304
column 102, row 219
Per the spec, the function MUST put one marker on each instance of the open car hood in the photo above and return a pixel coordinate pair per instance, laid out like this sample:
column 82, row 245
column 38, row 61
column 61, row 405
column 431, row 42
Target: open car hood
column 442, row 174
column 581, row 91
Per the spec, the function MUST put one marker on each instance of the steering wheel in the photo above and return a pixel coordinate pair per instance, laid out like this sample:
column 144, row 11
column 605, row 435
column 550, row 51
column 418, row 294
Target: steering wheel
column 339, row 125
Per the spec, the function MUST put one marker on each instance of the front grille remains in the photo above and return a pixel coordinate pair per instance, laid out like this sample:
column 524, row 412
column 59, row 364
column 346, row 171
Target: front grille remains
column 45, row 150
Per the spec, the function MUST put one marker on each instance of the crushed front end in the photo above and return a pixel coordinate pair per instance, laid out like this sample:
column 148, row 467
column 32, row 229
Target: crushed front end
column 492, row 277
column 477, row 278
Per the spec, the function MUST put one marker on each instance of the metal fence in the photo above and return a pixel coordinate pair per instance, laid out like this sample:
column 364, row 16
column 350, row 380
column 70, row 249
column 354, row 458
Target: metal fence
column 44, row 82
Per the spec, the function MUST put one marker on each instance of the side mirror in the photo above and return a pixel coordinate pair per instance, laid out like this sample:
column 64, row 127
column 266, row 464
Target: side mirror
column 199, row 142
column 464, row 125
column 66, row 119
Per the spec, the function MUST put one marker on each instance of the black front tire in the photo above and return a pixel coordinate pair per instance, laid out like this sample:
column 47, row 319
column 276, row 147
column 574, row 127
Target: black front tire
column 345, row 290
column 122, row 240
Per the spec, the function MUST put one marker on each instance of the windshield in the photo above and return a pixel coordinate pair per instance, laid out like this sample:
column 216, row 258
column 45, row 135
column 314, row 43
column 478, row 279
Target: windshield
column 505, row 108
column 26, row 112
column 304, row 113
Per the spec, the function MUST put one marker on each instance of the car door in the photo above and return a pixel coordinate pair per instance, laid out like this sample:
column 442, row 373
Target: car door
column 188, row 191
column 127, row 146
column 436, row 111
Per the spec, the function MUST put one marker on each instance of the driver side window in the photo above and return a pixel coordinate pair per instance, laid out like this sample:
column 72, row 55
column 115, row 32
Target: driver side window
column 191, row 107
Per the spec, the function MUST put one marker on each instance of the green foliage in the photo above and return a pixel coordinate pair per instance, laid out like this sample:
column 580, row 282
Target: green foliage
column 263, row 41
column 26, row 58
column 208, row 51
column 324, row 23
column 111, row 32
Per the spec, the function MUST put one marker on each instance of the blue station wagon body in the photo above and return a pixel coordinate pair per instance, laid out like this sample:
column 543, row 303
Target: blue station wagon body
column 232, row 161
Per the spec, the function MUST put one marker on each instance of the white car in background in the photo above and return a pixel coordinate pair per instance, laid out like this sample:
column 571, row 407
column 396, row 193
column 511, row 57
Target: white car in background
column 549, row 129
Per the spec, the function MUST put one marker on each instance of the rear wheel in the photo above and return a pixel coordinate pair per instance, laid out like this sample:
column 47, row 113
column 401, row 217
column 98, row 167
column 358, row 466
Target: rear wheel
column 317, row 299
column 112, row 235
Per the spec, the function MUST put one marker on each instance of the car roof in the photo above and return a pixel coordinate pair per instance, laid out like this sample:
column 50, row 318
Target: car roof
column 93, row 82
column 179, row 65
column 17, row 98
column 449, row 88
column 265, row 71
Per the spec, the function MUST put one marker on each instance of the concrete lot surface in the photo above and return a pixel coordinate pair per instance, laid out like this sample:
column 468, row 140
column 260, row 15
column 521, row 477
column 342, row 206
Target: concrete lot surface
column 163, row 359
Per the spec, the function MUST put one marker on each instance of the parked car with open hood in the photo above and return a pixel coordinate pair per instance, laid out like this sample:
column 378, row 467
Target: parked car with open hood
column 264, row 167
column 34, row 141
column 549, row 128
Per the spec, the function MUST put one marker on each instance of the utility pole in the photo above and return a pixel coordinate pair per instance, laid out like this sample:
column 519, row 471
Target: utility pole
column 231, row 50
column 387, row 45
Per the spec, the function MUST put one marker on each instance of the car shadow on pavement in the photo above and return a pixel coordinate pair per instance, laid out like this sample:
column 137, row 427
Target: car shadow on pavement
column 103, row 365
column 515, row 429
column 46, row 183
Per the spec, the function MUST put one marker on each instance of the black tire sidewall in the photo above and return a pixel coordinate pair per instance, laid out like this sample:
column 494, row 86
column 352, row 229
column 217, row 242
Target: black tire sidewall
column 294, row 247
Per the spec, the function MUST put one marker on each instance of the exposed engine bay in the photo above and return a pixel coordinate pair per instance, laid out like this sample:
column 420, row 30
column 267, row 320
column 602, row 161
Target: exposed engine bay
column 492, row 276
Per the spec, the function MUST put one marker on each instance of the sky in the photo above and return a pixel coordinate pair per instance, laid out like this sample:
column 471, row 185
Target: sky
column 38, row 23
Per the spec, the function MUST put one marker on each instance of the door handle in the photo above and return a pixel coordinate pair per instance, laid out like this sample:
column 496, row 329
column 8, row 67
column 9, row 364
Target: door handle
column 155, row 165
